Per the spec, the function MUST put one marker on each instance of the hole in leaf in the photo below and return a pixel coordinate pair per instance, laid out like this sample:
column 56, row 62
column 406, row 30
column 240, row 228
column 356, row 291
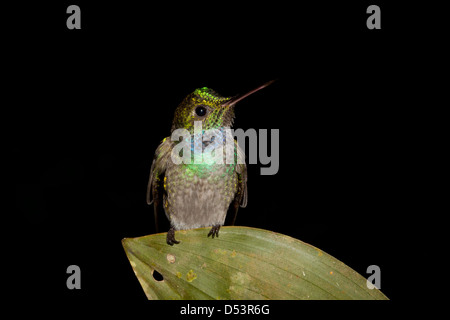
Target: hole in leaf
column 157, row 276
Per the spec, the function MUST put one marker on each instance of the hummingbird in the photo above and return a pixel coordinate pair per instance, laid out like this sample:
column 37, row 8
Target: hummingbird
column 198, row 195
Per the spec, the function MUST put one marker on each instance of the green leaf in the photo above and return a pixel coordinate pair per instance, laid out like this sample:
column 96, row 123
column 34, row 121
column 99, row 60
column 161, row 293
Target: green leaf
column 243, row 263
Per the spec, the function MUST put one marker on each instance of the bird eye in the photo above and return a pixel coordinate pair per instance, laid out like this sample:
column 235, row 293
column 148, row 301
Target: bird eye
column 200, row 111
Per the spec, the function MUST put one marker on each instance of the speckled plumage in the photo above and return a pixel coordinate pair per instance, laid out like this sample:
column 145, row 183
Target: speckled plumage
column 198, row 195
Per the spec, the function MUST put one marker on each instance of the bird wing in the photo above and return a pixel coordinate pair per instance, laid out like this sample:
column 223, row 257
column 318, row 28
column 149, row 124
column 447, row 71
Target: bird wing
column 241, row 196
column 157, row 171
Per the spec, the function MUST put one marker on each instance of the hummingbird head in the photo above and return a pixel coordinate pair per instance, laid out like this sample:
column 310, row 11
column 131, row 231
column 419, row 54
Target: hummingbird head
column 203, row 105
column 209, row 107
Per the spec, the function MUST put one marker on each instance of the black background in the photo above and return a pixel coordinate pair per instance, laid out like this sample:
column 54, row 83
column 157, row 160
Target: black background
column 90, row 107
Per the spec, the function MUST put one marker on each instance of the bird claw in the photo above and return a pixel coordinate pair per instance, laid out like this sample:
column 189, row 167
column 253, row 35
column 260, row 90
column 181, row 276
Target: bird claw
column 170, row 239
column 214, row 231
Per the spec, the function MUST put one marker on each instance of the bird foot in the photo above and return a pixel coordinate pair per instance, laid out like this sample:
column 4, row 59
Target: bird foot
column 214, row 231
column 170, row 239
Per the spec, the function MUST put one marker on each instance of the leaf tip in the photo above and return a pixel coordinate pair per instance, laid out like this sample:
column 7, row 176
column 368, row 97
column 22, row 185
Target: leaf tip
column 126, row 243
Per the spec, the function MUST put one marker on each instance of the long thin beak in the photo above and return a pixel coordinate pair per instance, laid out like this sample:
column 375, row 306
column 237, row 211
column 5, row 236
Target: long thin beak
column 240, row 97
